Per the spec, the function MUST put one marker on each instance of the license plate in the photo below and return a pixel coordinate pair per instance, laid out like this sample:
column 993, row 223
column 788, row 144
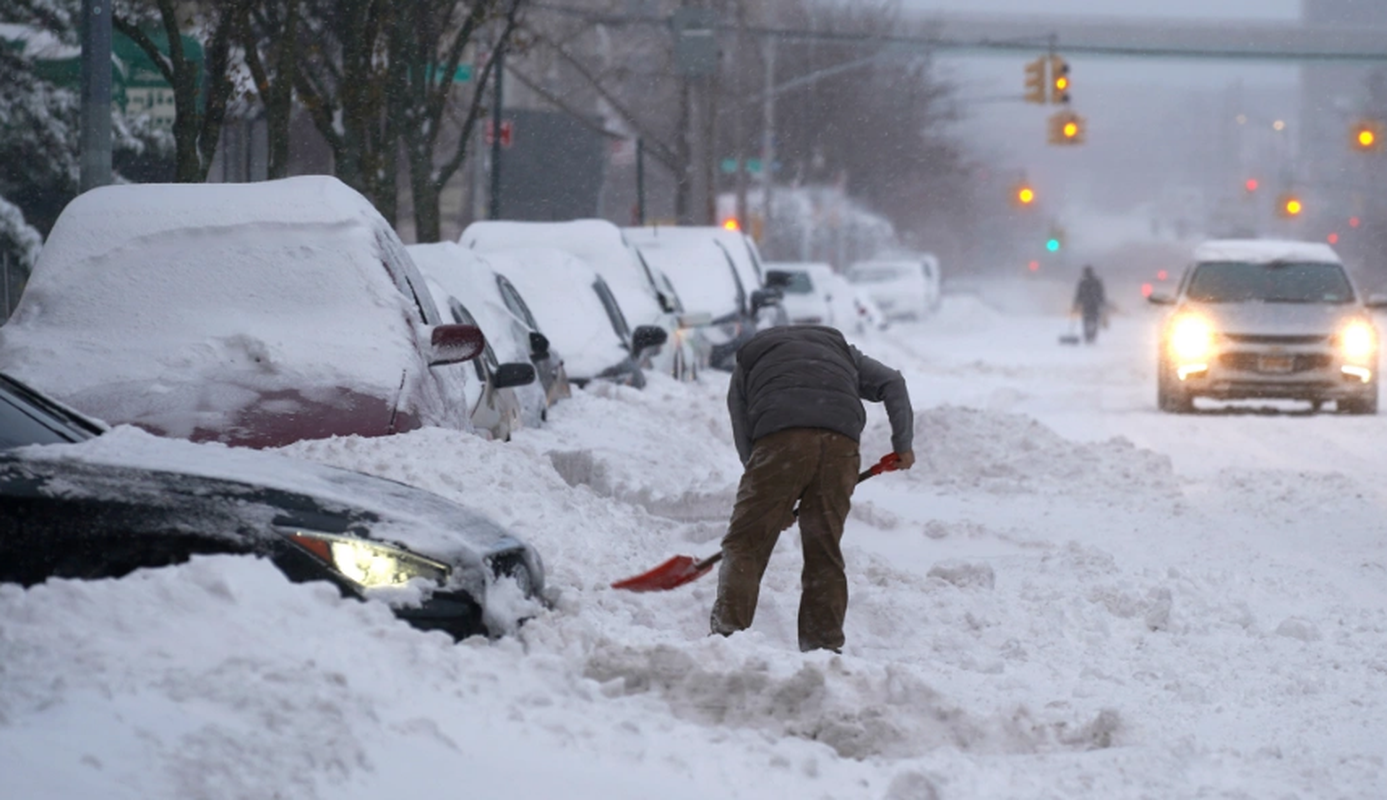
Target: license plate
column 1275, row 363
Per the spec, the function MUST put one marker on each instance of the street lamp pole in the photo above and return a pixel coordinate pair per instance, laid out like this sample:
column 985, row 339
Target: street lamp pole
column 95, row 33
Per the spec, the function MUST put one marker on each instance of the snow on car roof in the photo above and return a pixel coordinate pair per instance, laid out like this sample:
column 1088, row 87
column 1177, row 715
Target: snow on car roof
column 597, row 242
column 1265, row 251
column 736, row 242
column 184, row 284
column 699, row 270
column 557, row 287
column 463, row 274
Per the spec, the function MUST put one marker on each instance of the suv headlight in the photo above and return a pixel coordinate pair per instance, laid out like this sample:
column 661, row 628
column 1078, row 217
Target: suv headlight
column 1358, row 341
column 372, row 565
column 1190, row 337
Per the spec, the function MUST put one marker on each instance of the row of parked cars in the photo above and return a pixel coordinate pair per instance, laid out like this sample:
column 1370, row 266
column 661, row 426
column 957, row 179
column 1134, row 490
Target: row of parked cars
column 256, row 315
column 869, row 294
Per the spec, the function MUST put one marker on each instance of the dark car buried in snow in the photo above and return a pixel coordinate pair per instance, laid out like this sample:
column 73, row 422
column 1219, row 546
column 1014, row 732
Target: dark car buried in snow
column 79, row 500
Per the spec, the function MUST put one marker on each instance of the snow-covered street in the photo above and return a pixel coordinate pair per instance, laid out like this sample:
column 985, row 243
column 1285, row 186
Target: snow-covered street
column 1070, row 596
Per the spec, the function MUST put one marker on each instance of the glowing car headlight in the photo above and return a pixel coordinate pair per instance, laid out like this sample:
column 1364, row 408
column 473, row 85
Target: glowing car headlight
column 369, row 564
column 1190, row 338
column 1358, row 341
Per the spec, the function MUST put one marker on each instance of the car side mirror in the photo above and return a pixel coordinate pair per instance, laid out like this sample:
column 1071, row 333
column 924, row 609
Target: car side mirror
column 695, row 319
column 1376, row 301
column 647, row 336
column 761, row 298
column 539, row 346
column 452, row 344
column 515, row 373
column 1161, row 299
column 778, row 279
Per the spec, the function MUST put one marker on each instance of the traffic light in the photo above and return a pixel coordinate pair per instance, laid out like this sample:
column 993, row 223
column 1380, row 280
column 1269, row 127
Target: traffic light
column 1067, row 128
column 1289, row 206
column 1059, row 80
column 1367, row 135
column 1025, row 195
column 1251, row 185
column 1035, row 81
column 1055, row 241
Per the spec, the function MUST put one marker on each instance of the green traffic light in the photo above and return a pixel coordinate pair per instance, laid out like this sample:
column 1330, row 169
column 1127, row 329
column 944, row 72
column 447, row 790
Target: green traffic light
column 1053, row 245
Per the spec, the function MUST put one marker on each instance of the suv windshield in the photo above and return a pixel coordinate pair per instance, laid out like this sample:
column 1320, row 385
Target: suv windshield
column 1276, row 282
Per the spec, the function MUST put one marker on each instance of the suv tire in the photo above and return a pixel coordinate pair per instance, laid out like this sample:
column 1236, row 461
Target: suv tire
column 1366, row 405
column 1170, row 397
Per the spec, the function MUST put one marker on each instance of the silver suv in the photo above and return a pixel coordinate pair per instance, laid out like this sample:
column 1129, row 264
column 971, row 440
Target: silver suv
column 1268, row 319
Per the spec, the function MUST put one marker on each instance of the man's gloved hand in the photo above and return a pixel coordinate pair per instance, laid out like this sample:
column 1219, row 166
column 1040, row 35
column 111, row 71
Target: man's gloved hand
column 905, row 460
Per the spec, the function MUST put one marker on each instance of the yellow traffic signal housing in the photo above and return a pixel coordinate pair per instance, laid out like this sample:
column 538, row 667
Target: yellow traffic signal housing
column 1059, row 80
column 1289, row 206
column 1035, row 81
column 1367, row 135
column 1067, row 128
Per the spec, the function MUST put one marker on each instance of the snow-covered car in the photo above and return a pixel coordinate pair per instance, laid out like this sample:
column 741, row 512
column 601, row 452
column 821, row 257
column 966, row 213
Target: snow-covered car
column 745, row 256
column 805, row 290
column 1258, row 319
column 493, row 400
column 80, row 500
column 707, row 281
column 252, row 314
column 900, row 288
column 644, row 295
column 581, row 315
column 469, row 289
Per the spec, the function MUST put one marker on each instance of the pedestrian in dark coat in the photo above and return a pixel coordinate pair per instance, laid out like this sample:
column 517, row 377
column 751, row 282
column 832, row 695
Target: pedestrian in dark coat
column 796, row 403
column 1090, row 302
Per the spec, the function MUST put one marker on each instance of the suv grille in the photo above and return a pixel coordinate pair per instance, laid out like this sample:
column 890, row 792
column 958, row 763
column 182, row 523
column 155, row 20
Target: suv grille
column 1250, row 362
column 1252, row 338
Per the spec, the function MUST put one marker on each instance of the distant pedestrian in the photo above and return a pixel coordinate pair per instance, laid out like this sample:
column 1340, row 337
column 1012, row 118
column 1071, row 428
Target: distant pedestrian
column 1090, row 303
column 796, row 404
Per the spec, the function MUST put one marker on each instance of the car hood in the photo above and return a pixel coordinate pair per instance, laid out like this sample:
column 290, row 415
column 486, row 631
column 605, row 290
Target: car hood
column 131, row 462
column 1278, row 319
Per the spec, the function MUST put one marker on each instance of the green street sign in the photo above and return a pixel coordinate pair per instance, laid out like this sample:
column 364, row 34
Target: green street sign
column 729, row 166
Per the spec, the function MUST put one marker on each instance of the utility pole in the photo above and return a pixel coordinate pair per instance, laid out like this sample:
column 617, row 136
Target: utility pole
column 640, row 181
column 498, row 104
column 95, row 33
column 768, row 136
column 696, row 60
column 739, row 123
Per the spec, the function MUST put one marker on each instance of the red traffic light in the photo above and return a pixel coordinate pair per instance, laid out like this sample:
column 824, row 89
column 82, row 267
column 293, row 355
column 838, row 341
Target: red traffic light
column 1251, row 184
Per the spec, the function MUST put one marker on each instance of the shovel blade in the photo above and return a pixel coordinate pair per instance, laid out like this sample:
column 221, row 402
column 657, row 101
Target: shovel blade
column 673, row 573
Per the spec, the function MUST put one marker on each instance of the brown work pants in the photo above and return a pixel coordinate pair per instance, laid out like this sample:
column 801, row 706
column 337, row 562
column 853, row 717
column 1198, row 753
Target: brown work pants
column 818, row 469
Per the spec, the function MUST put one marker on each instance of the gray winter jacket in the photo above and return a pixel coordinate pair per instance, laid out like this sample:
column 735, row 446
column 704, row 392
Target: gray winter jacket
column 808, row 376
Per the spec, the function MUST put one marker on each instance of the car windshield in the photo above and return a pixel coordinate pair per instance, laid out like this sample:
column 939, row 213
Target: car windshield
column 799, row 283
column 1275, row 282
column 27, row 418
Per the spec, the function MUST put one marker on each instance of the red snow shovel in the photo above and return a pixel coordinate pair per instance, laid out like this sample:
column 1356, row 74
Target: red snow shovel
column 685, row 569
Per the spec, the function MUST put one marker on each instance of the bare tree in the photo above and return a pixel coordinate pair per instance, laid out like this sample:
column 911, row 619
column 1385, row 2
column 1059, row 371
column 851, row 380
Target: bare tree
column 430, row 41
column 273, row 27
column 201, row 89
